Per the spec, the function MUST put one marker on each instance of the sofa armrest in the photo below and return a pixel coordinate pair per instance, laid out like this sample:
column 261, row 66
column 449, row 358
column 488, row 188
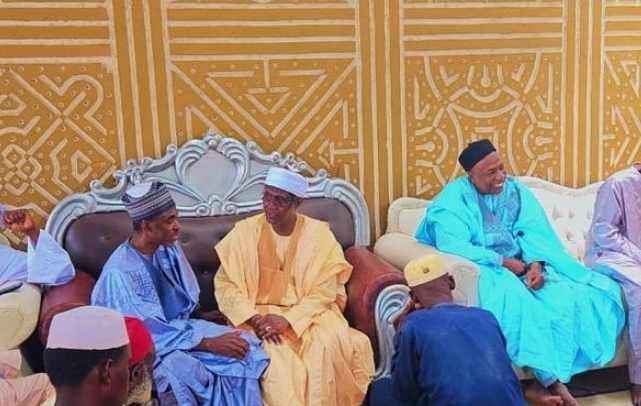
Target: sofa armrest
column 399, row 249
column 64, row 297
column 368, row 310
column 19, row 312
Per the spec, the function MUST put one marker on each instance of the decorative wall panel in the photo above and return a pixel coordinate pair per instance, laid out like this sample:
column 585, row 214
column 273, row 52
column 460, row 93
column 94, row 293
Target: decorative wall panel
column 382, row 93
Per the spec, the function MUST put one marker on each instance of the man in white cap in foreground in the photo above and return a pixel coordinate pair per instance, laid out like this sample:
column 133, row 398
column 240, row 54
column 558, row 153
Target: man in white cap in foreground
column 148, row 277
column 445, row 354
column 86, row 357
column 282, row 277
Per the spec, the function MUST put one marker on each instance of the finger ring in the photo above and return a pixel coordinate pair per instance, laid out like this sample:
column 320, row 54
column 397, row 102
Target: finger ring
column 268, row 328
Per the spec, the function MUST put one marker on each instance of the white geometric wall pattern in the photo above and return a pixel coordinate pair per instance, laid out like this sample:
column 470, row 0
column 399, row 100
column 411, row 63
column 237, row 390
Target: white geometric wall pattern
column 619, row 142
column 383, row 93
column 482, row 71
column 513, row 100
column 282, row 73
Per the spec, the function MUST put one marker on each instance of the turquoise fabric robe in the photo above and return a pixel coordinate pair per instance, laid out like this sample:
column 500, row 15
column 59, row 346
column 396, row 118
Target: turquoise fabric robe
column 163, row 293
column 568, row 326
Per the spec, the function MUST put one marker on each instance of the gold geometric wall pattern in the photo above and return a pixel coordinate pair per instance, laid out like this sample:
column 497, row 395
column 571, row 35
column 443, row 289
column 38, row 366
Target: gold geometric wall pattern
column 285, row 77
column 57, row 132
column 621, row 109
column 307, row 106
column 382, row 93
column 56, row 122
column 512, row 100
column 620, row 136
column 490, row 72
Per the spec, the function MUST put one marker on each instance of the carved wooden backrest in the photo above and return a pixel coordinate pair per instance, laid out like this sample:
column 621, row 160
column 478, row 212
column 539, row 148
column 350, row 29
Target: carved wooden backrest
column 207, row 177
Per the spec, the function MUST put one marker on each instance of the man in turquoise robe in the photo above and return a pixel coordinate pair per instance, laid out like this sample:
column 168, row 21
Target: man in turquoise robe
column 559, row 318
column 148, row 276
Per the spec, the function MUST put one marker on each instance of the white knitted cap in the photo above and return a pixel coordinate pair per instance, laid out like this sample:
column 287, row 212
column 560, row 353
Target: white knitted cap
column 88, row 328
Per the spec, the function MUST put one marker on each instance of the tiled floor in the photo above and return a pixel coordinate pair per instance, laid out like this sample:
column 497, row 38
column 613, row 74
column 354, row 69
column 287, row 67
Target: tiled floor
column 610, row 399
column 612, row 383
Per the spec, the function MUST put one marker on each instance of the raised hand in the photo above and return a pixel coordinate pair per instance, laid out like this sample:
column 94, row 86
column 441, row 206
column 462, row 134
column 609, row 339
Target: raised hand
column 20, row 220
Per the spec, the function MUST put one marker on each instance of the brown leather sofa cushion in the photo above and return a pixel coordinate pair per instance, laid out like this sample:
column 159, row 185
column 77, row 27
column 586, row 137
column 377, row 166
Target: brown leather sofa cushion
column 91, row 239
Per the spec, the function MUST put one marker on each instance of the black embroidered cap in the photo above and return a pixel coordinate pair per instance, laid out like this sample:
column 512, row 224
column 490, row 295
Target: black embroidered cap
column 474, row 152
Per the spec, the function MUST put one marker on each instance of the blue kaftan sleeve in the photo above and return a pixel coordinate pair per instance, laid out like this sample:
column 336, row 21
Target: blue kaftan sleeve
column 405, row 365
column 46, row 263
column 452, row 235
column 453, row 224
column 130, row 291
column 533, row 230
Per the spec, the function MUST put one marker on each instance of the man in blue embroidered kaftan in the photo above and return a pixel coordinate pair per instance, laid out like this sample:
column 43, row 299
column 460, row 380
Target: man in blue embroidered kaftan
column 558, row 317
column 148, row 276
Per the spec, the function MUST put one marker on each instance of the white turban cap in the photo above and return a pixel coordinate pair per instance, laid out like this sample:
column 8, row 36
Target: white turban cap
column 289, row 181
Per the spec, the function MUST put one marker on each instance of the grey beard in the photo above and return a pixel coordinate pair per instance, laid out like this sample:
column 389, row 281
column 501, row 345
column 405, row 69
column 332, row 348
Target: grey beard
column 140, row 394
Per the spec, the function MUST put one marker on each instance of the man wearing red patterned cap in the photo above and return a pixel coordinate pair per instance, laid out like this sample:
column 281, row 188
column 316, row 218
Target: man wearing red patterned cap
column 141, row 363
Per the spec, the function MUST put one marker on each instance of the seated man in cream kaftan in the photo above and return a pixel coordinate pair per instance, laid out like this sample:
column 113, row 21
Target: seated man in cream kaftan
column 282, row 277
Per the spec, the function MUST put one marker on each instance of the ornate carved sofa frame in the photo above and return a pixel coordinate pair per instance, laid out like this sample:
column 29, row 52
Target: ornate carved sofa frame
column 216, row 181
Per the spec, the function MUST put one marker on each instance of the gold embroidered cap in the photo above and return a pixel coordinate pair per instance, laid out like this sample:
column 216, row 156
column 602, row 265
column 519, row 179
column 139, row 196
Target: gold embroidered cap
column 424, row 269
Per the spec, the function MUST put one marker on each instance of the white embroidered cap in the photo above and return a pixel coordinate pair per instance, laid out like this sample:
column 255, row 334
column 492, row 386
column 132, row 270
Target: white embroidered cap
column 289, row 181
column 88, row 328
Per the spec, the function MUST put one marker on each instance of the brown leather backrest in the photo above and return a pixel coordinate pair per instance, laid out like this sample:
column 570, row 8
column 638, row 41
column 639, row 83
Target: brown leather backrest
column 91, row 239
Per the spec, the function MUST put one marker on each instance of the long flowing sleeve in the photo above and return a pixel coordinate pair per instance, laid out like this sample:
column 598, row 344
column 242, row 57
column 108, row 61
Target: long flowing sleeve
column 453, row 224
column 48, row 263
column 323, row 294
column 452, row 235
column 13, row 265
column 235, row 279
column 117, row 292
column 232, row 297
column 322, row 280
column 608, row 221
column 44, row 263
